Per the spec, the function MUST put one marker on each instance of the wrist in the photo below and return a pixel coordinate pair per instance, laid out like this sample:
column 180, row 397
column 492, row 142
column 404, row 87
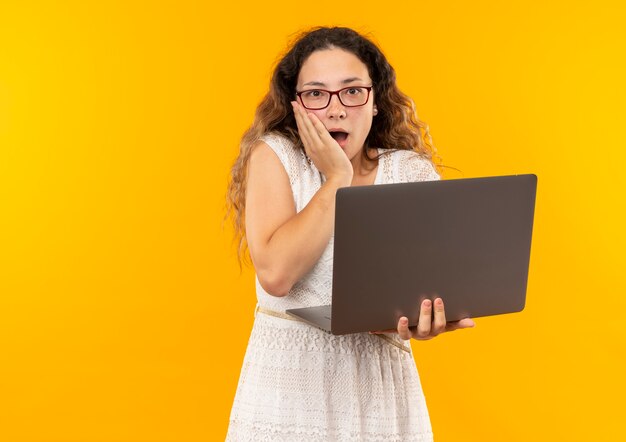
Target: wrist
column 340, row 180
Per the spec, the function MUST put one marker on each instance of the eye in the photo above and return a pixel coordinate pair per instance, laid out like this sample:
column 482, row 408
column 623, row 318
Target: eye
column 354, row 91
column 314, row 93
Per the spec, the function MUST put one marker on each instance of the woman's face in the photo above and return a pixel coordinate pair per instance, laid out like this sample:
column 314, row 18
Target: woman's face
column 334, row 69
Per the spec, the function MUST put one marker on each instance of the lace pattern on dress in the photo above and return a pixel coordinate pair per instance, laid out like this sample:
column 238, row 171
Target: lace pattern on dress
column 301, row 383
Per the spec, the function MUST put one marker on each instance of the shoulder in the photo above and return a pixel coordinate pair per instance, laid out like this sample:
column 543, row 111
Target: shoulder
column 279, row 143
column 411, row 166
column 266, row 159
column 276, row 140
column 286, row 151
column 291, row 157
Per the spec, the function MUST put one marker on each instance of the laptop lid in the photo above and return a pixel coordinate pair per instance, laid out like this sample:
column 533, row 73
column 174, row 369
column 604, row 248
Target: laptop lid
column 465, row 240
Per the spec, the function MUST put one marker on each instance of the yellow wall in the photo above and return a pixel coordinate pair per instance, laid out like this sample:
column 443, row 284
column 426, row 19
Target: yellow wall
column 123, row 316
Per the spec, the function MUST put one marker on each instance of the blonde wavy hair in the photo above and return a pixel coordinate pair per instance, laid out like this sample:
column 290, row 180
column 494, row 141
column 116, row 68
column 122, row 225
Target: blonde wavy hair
column 396, row 127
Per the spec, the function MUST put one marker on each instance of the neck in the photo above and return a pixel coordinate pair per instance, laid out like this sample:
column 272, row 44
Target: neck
column 364, row 170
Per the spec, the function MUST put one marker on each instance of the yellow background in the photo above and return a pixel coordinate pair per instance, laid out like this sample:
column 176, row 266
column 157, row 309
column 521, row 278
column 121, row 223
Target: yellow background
column 123, row 316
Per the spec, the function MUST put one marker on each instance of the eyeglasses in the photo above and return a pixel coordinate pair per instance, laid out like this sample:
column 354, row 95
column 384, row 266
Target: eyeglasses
column 351, row 96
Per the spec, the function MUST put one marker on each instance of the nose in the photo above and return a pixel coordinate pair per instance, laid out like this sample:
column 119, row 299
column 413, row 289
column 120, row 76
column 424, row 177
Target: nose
column 335, row 109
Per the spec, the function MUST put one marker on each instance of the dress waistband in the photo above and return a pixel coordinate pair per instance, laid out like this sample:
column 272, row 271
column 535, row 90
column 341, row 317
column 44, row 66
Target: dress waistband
column 282, row 315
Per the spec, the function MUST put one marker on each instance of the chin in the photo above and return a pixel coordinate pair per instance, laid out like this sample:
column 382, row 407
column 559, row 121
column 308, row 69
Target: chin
column 351, row 155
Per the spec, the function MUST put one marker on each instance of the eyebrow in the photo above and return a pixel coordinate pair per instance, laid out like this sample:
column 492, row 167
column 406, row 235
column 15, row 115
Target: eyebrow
column 319, row 83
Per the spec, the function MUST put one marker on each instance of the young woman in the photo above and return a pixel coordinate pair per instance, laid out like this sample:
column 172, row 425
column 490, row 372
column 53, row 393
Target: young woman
column 333, row 117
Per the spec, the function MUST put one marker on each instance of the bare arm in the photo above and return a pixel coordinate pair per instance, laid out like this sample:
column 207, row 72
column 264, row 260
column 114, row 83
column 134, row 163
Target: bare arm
column 284, row 245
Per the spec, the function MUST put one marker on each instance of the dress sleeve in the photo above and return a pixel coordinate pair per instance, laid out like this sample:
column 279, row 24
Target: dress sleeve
column 304, row 178
column 279, row 145
column 412, row 167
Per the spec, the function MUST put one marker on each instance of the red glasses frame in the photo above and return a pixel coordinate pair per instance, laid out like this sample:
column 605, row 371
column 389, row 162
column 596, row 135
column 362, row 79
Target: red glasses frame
column 330, row 97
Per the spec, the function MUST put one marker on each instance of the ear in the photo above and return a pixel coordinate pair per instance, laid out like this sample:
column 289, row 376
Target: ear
column 375, row 110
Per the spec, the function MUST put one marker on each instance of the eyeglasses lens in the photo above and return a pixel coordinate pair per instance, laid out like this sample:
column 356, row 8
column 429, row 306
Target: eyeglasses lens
column 319, row 99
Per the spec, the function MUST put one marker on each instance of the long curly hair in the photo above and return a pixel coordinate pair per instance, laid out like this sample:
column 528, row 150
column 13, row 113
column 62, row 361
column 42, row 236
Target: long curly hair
column 396, row 126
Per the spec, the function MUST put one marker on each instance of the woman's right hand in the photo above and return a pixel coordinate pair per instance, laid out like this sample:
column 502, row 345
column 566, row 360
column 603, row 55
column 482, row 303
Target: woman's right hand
column 321, row 148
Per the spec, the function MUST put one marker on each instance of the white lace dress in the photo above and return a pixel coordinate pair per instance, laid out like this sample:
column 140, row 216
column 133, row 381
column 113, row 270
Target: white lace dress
column 299, row 383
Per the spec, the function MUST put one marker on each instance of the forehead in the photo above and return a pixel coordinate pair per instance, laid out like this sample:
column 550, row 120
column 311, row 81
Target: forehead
column 331, row 67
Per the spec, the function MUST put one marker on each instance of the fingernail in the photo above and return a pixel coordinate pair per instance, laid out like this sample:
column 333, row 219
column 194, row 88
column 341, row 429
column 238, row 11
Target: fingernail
column 404, row 321
column 427, row 303
column 438, row 302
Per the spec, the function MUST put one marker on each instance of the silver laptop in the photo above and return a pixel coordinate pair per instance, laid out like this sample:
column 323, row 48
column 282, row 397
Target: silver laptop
column 465, row 240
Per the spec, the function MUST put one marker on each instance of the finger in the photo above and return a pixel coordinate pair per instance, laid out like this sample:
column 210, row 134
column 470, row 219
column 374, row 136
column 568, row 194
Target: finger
column 304, row 129
column 439, row 323
column 321, row 129
column 463, row 323
column 423, row 326
column 298, row 117
column 307, row 125
column 403, row 328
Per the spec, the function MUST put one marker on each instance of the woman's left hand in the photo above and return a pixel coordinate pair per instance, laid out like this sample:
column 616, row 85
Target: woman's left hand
column 427, row 327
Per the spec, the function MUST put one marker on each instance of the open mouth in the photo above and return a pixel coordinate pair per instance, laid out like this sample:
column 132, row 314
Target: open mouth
column 339, row 136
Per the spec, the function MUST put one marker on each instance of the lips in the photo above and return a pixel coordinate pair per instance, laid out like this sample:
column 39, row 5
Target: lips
column 340, row 135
